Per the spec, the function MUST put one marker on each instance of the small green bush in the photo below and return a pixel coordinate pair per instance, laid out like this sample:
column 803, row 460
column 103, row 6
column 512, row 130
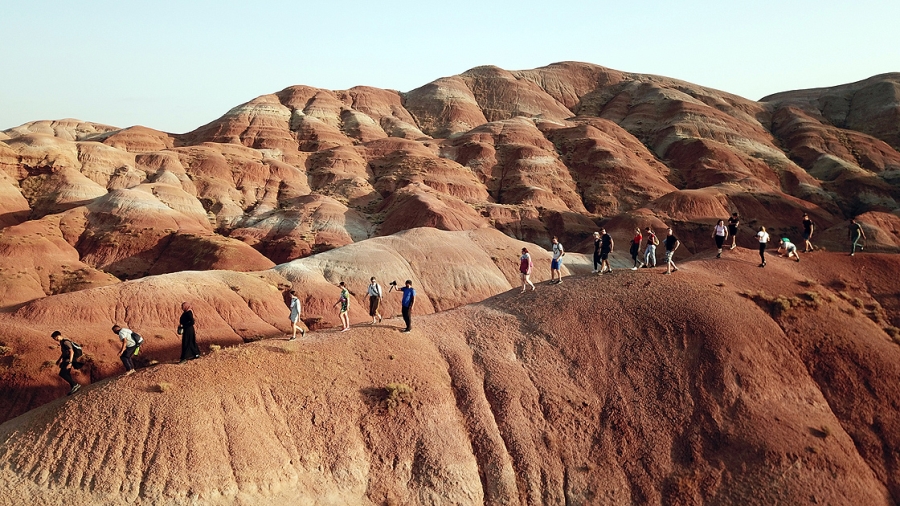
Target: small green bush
column 397, row 393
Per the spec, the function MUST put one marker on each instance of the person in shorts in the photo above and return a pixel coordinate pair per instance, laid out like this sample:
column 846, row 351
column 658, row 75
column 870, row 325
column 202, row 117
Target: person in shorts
column 556, row 261
column 808, row 228
column 344, row 302
column 606, row 247
column 788, row 249
column 296, row 309
column 733, row 223
column 672, row 244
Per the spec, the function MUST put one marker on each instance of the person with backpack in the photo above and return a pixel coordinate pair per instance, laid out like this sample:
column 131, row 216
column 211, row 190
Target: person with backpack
column 650, row 252
column 374, row 292
column 733, row 223
column 70, row 352
column 556, row 261
column 189, row 348
column 131, row 341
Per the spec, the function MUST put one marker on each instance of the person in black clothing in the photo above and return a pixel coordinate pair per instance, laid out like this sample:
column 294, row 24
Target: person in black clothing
column 596, row 253
column 855, row 233
column 606, row 247
column 189, row 349
column 66, row 361
column 808, row 229
column 733, row 223
column 672, row 244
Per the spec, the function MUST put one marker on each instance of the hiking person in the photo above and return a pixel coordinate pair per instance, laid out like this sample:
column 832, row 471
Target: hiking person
column 596, row 253
column 189, row 349
column 720, row 233
column 855, row 233
column 636, row 248
column 808, row 229
column 296, row 309
column 131, row 341
column 733, row 223
column 344, row 302
column 70, row 352
column 406, row 304
column 763, row 237
column 525, row 268
column 788, row 249
column 672, row 244
column 650, row 251
column 606, row 247
column 374, row 292
column 556, row 262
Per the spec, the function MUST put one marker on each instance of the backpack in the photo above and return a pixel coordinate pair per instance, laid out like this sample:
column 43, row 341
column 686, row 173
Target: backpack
column 77, row 351
column 654, row 239
column 137, row 338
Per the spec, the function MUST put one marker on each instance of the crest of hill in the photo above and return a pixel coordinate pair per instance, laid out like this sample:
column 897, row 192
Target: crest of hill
column 683, row 389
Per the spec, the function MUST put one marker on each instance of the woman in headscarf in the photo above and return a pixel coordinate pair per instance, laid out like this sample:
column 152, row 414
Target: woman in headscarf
column 189, row 349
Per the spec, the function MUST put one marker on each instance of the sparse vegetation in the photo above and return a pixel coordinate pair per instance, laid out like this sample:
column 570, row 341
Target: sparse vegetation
column 780, row 304
column 894, row 332
column 3, row 350
column 214, row 348
column 163, row 387
column 397, row 393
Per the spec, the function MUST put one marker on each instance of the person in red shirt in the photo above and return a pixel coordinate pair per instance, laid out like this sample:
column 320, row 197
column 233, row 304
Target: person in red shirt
column 525, row 268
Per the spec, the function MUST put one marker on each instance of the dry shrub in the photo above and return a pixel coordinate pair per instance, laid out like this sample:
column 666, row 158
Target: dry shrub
column 780, row 304
column 809, row 283
column 214, row 348
column 3, row 350
column 894, row 332
column 396, row 393
column 163, row 387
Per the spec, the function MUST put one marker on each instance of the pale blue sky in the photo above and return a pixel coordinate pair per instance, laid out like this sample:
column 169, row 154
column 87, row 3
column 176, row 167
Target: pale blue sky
column 175, row 65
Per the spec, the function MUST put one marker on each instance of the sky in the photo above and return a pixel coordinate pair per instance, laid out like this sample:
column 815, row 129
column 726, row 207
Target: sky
column 177, row 65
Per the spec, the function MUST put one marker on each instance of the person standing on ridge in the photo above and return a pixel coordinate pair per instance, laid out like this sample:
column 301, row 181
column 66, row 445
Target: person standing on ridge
column 70, row 352
column 650, row 252
column 525, row 268
column 556, row 262
column 296, row 309
column 720, row 233
column 406, row 304
column 130, row 343
column 808, row 229
column 636, row 248
column 672, row 244
column 763, row 237
column 733, row 223
column 606, row 247
column 596, row 253
column 855, row 233
column 344, row 302
column 189, row 348
column 374, row 292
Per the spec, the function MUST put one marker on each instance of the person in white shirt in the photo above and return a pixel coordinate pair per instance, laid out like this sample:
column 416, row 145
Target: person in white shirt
column 375, row 295
column 720, row 233
column 763, row 238
column 556, row 262
column 129, row 347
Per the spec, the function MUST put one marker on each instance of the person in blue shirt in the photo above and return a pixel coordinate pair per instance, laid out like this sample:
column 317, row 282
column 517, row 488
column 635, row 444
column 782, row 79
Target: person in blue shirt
column 409, row 299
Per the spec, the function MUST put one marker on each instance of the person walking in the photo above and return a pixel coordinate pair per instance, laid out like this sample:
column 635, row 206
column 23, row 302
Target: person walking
column 636, row 248
column 344, row 302
column 808, row 229
column 788, row 249
column 296, row 309
column 525, row 268
column 650, row 251
column 720, row 233
column 733, row 223
column 763, row 237
column 606, row 247
column 186, row 323
column 374, row 292
column 855, row 233
column 70, row 352
column 556, row 262
column 406, row 304
column 672, row 244
column 130, row 343
column 596, row 253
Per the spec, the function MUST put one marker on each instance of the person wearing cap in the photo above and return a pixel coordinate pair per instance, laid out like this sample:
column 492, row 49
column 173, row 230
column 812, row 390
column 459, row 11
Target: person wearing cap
column 788, row 249
column 606, row 247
